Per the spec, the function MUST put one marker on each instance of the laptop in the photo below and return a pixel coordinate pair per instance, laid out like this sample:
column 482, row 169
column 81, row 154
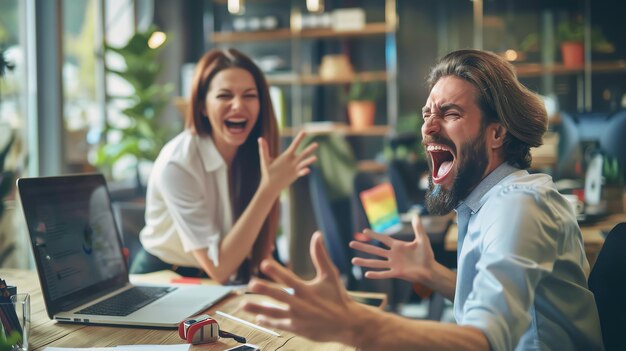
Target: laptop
column 80, row 262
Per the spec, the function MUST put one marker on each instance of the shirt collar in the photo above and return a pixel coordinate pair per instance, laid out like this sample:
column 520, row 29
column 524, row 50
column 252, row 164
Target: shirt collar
column 473, row 200
column 211, row 158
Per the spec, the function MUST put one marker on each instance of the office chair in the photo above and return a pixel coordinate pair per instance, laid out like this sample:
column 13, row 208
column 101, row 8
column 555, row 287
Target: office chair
column 607, row 281
column 404, row 177
column 336, row 231
column 130, row 218
column 569, row 149
column 613, row 140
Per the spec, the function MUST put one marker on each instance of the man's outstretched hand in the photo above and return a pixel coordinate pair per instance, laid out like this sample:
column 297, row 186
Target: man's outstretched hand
column 319, row 309
column 411, row 261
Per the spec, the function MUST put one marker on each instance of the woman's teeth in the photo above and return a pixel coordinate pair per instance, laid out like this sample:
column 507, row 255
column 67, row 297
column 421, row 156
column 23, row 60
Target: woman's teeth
column 236, row 124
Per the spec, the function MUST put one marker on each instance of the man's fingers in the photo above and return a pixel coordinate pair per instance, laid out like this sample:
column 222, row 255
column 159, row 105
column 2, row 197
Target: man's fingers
column 322, row 262
column 270, row 289
column 370, row 263
column 277, row 292
column 283, row 324
column 379, row 275
column 368, row 248
column 269, row 311
column 281, row 274
column 420, row 233
column 385, row 239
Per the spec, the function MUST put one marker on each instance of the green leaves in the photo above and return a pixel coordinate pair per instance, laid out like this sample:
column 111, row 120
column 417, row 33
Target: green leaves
column 574, row 30
column 611, row 171
column 364, row 91
column 4, row 64
column 7, row 178
column 144, row 134
column 7, row 343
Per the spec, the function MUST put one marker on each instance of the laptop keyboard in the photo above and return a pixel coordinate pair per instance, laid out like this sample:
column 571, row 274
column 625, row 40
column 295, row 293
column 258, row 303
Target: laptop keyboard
column 127, row 302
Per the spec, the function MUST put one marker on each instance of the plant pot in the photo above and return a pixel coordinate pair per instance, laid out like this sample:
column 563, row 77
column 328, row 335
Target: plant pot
column 361, row 114
column 573, row 54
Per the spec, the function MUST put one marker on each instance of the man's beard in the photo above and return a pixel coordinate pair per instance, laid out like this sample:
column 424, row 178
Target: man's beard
column 473, row 158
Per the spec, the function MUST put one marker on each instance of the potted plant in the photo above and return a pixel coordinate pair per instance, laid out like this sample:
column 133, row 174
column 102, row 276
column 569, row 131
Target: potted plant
column 144, row 134
column 362, row 103
column 7, row 177
column 8, row 173
column 571, row 36
column 9, row 343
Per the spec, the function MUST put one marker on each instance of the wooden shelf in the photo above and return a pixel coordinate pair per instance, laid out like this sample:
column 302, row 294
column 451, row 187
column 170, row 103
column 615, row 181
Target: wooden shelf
column 377, row 130
column 372, row 76
column 528, row 70
column 371, row 166
column 286, row 33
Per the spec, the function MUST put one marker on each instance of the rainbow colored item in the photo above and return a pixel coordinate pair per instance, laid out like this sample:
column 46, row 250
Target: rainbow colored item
column 381, row 208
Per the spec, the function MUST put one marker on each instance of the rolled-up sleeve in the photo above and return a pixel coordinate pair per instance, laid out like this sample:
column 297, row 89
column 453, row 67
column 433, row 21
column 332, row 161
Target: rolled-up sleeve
column 191, row 209
column 517, row 249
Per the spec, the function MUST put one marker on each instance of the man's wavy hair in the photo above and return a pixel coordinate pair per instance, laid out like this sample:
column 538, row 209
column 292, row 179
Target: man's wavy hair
column 501, row 99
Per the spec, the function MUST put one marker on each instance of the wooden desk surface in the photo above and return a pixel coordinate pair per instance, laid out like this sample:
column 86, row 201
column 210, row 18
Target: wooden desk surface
column 45, row 332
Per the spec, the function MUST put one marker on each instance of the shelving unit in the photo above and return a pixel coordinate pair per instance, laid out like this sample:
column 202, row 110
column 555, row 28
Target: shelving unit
column 302, row 48
column 527, row 70
column 340, row 129
column 287, row 33
column 373, row 76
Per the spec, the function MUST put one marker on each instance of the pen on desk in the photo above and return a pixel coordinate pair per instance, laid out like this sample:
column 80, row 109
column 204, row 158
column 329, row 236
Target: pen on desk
column 252, row 325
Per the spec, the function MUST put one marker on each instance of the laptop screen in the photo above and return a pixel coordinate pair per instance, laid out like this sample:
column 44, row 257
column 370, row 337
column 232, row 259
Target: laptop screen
column 74, row 238
column 381, row 208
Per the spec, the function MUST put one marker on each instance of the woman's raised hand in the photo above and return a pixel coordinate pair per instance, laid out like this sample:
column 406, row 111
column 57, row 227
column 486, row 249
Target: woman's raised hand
column 279, row 173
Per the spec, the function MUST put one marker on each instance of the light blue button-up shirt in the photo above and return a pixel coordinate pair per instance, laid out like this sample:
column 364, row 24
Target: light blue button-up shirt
column 522, row 276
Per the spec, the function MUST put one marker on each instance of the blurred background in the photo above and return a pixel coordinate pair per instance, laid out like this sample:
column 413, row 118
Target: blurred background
column 101, row 85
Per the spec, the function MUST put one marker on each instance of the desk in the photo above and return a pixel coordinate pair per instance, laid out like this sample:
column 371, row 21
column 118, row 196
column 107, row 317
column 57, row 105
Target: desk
column 592, row 235
column 45, row 332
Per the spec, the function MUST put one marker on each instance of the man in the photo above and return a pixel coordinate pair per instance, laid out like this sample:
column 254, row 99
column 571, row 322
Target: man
column 521, row 279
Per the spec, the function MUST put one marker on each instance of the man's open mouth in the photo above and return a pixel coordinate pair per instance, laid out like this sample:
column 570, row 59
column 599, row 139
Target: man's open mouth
column 442, row 159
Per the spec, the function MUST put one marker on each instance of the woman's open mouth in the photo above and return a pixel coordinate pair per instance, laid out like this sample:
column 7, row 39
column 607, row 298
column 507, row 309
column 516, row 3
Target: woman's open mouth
column 443, row 161
column 236, row 125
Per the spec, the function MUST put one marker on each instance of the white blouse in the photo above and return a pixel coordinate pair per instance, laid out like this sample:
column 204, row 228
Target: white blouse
column 188, row 204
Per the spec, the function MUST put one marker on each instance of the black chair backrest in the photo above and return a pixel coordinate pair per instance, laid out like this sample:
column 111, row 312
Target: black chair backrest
column 569, row 148
column 332, row 219
column 607, row 281
column 405, row 177
column 130, row 218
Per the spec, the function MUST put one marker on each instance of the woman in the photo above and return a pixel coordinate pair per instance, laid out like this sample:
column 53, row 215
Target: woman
column 212, row 202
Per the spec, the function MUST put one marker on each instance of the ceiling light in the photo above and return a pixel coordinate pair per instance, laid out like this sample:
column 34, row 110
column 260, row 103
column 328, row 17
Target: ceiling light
column 156, row 39
column 236, row 7
column 315, row 5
